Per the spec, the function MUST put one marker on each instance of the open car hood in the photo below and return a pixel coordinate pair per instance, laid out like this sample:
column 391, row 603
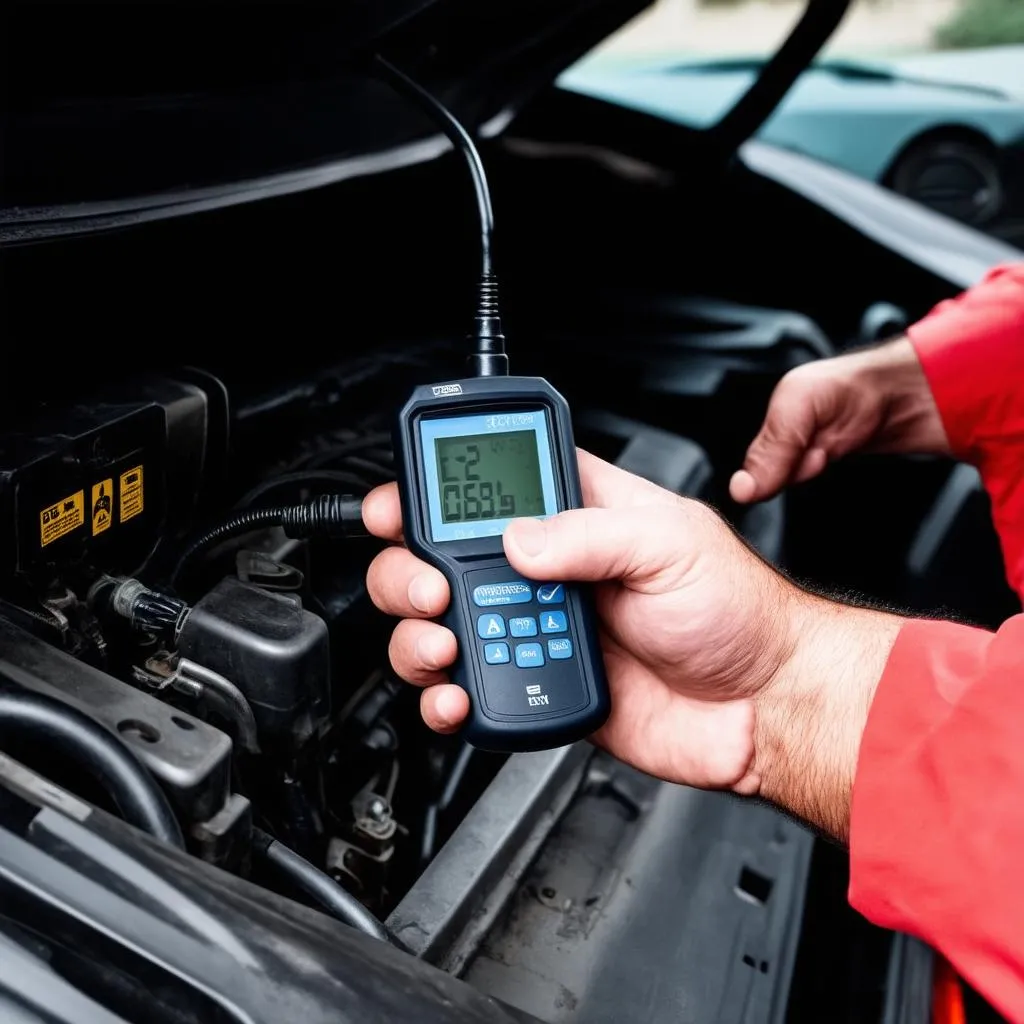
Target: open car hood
column 116, row 114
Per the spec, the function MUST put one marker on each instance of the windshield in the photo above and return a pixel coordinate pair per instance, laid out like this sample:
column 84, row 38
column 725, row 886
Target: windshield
column 925, row 97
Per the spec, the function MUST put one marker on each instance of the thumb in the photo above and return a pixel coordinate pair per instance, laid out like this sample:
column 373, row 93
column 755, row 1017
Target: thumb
column 783, row 445
column 592, row 544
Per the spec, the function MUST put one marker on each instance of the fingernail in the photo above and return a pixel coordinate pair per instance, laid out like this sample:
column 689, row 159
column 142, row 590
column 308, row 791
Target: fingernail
column 742, row 485
column 530, row 536
column 419, row 593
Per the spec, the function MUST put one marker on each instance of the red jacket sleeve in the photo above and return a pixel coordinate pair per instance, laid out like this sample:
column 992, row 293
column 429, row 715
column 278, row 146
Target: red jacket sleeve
column 937, row 822
column 972, row 352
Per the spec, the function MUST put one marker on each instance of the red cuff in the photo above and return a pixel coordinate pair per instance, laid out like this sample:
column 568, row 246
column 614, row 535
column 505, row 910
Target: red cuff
column 972, row 352
column 937, row 819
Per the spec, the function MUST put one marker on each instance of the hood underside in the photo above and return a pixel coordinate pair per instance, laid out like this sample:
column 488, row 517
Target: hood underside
column 116, row 114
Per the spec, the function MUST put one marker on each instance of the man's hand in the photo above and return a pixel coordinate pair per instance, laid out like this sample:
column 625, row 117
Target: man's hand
column 876, row 400
column 722, row 673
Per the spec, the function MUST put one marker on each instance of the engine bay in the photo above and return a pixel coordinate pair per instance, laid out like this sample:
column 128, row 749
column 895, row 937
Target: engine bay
column 249, row 674
column 215, row 371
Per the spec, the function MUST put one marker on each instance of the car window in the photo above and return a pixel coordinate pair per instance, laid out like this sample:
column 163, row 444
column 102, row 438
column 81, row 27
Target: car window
column 924, row 97
column 684, row 59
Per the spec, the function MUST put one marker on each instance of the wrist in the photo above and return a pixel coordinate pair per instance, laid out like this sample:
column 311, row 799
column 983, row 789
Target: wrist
column 910, row 416
column 811, row 716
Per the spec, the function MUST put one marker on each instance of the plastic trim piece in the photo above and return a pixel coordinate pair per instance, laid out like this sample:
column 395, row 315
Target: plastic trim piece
column 446, row 913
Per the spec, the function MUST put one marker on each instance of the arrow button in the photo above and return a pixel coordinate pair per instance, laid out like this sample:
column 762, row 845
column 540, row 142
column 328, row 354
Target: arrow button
column 490, row 627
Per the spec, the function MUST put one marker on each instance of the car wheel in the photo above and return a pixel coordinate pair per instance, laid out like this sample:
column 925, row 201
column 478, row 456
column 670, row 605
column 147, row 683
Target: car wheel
column 953, row 176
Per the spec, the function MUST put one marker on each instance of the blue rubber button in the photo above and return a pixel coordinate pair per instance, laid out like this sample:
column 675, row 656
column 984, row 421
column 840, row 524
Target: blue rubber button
column 522, row 625
column 558, row 650
column 529, row 656
column 497, row 654
column 490, row 627
column 551, row 593
column 553, row 622
column 492, row 595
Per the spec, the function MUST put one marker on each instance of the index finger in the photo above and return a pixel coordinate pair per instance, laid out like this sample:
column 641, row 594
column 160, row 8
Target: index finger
column 382, row 512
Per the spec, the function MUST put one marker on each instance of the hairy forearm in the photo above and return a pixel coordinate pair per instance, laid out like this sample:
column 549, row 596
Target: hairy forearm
column 811, row 717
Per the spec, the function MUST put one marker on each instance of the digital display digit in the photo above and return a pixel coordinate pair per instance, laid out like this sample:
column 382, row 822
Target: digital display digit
column 489, row 476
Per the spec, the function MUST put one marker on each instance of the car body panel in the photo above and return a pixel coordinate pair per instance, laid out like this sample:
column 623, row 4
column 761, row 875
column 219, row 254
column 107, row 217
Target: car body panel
column 990, row 67
column 951, row 250
column 213, row 946
column 856, row 116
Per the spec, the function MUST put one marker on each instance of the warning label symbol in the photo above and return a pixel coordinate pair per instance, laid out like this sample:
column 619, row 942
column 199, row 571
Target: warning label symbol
column 62, row 518
column 131, row 493
column 102, row 506
column 494, row 629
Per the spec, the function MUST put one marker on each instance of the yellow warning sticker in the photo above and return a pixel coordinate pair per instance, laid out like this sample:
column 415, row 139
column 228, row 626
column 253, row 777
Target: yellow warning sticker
column 60, row 519
column 102, row 506
column 131, row 493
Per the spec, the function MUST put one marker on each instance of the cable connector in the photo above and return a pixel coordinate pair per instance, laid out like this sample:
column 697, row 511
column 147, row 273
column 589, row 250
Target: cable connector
column 144, row 609
column 329, row 517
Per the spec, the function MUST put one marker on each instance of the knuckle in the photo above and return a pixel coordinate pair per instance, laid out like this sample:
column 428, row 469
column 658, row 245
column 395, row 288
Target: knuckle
column 381, row 572
column 395, row 654
column 400, row 653
column 374, row 579
column 568, row 530
column 777, row 429
column 398, row 645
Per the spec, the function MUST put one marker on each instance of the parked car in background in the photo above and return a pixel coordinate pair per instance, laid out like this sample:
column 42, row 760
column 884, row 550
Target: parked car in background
column 955, row 146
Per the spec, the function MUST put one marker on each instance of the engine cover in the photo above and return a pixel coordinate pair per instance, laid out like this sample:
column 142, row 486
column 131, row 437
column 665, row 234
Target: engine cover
column 275, row 651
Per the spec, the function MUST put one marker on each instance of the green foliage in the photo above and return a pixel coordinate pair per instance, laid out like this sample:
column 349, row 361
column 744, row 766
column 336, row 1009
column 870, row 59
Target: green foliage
column 983, row 23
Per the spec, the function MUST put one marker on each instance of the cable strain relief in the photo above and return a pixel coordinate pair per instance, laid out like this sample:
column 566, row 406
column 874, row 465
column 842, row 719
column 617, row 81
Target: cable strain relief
column 487, row 297
column 488, row 358
column 329, row 516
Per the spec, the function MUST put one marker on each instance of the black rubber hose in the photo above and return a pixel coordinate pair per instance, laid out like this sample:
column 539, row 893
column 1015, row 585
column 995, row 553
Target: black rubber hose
column 314, row 883
column 51, row 724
